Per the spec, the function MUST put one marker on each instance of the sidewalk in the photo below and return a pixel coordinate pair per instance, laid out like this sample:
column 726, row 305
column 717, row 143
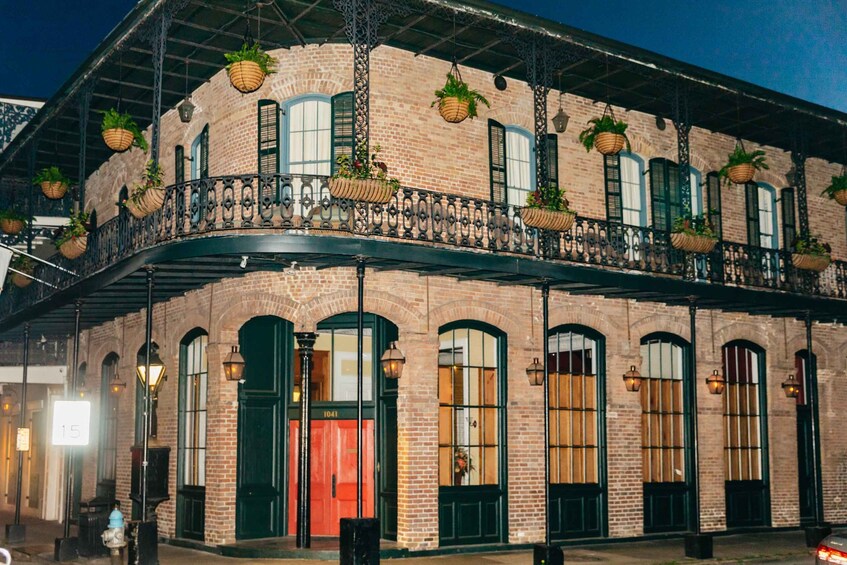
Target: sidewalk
column 779, row 547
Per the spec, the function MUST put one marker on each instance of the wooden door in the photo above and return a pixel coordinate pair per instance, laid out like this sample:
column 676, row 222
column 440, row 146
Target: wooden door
column 805, row 465
column 334, row 464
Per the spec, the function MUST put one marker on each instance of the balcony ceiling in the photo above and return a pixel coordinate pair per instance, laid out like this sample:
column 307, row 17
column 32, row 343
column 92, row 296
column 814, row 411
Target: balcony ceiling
column 486, row 37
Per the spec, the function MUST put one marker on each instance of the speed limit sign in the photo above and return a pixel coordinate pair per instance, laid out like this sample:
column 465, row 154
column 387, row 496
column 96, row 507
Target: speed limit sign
column 71, row 422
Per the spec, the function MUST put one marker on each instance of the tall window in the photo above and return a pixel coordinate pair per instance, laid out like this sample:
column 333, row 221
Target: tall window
column 632, row 190
column 308, row 132
column 761, row 216
column 520, row 165
column 469, row 407
column 574, row 443
column 192, row 410
column 108, row 421
column 742, row 413
column 662, row 412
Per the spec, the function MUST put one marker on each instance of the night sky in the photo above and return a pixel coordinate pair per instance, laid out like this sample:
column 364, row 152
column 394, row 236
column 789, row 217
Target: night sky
column 798, row 47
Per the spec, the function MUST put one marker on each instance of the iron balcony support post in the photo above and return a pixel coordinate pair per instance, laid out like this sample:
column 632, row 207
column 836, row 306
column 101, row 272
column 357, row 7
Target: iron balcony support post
column 361, row 33
column 30, row 201
column 145, row 446
column 539, row 76
column 69, row 456
column 158, row 43
column 812, row 396
column 22, row 424
column 84, row 103
column 798, row 158
column 306, row 345
column 360, row 333
column 545, row 295
column 682, row 123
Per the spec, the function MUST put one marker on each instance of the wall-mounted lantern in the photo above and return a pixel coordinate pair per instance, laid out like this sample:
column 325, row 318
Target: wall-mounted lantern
column 393, row 361
column 632, row 379
column 116, row 386
column 186, row 109
column 535, row 373
column 791, row 387
column 234, row 365
column 716, row 382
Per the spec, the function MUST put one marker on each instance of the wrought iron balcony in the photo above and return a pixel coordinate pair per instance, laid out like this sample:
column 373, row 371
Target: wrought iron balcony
column 282, row 203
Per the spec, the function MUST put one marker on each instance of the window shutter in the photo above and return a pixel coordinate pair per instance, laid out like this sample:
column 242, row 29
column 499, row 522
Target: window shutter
column 553, row 159
column 752, row 192
column 343, row 127
column 614, row 199
column 713, row 203
column 674, row 195
column 789, row 221
column 123, row 195
column 179, row 164
column 268, row 137
column 659, row 193
column 204, row 152
column 497, row 160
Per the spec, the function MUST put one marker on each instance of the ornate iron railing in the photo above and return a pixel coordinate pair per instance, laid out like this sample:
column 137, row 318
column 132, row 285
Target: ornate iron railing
column 302, row 203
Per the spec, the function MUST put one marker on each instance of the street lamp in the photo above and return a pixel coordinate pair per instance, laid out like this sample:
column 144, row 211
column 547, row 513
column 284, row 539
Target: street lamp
column 791, row 387
column 632, row 379
column 157, row 371
column 716, row 382
column 8, row 401
column 535, row 373
column 234, row 365
column 393, row 361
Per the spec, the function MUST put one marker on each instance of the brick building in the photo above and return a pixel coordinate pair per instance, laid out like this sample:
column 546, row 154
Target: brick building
column 250, row 250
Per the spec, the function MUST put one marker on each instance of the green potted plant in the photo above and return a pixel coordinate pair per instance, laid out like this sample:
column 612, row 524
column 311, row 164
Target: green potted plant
column 363, row 178
column 120, row 132
column 12, row 222
column 741, row 166
column 837, row 190
column 23, row 264
column 53, row 183
column 693, row 233
column 547, row 209
column 72, row 240
column 810, row 254
column 248, row 67
column 456, row 101
column 606, row 134
column 149, row 195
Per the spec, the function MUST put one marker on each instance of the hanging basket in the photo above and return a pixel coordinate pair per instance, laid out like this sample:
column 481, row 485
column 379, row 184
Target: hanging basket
column 816, row 263
column 840, row 197
column 741, row 174
column 361, row 190
column 118, row 139
column 543, row 219
column 75, row 247
column 609, row 143
column 20, row 281
column 11, row 227
column 149, row 202
column 453, row 110
column 54, row 190
column 246, row 76
column 693, row 243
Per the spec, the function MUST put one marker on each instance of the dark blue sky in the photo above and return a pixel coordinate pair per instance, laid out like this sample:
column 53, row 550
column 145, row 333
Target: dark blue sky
column 794, row 46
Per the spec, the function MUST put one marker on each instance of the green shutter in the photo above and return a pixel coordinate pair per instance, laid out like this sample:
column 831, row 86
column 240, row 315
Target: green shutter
column 497, row 160
column 204, row 153
column 614, row 200
column 713, row 203
column 553, row 159
column 674, row 195
column 268, row 137
column 789, row 221
column 179, row 164
column 343, row 127
column 659, row 193
column 752, row 196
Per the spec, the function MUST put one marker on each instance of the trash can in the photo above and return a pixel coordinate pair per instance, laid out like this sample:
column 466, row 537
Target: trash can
column 93, row 519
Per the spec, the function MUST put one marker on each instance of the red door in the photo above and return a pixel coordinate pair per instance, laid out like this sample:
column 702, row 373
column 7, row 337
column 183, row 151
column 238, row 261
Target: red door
column 333, row 474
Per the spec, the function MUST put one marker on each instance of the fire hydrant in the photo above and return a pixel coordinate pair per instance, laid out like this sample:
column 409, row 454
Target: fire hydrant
column 113, row 536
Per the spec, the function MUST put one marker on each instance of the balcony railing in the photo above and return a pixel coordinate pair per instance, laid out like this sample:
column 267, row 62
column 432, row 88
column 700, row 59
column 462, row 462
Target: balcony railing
column 303, row 204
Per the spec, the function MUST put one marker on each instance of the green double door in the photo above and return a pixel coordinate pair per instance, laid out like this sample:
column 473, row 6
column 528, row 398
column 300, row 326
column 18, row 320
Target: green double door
column 268, row 406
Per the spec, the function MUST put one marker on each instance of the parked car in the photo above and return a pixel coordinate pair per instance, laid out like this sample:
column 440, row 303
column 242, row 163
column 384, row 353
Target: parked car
column 833, row 549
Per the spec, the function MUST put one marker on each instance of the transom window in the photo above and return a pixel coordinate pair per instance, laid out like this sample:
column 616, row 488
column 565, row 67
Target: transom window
column 108, row 420
column 469, row 408
column 334, row 366
column 662, row 414
column 520, row 165
column 193, row 386
column 741, row 403
column 574, row 456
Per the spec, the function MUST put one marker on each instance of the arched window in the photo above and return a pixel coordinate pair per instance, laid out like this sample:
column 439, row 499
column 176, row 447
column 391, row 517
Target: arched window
column 471, row 363
column 577, row 469
column 745, row 438
column 108, row 451
column 761, row 216
column 633, row 210
column 664, row 427
column 307, row 135
column 191, row 482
